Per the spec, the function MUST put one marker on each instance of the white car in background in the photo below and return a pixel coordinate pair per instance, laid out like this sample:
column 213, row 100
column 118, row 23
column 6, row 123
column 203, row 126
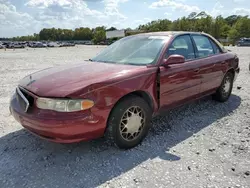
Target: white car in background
column 39, row 45
column 53, row 44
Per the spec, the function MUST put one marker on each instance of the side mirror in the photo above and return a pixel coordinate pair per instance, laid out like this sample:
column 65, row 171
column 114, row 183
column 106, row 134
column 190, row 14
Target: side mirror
column 173, row 59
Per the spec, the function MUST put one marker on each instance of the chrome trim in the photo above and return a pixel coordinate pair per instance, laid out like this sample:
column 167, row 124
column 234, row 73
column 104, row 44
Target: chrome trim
column 24, row 98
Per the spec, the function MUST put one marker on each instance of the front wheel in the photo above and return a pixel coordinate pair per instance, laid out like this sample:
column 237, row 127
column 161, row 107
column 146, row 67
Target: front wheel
column 129, row 122
column 224, row 91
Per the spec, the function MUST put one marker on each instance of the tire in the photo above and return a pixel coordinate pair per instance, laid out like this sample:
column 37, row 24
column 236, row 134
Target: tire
column 120, row 117
column 224, row 91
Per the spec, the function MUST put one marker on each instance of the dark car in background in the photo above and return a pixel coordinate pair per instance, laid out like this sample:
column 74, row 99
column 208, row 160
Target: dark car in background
column 15, row 45
column 243, row 42
column 117, row 92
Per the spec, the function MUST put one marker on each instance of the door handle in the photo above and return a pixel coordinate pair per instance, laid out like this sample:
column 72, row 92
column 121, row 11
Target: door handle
column 196, row 70
column 223, row 62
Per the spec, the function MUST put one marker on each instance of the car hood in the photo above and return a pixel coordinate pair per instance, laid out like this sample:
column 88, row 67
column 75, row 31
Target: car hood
column 63, row 80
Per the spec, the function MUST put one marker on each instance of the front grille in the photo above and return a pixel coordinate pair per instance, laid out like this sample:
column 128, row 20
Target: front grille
column 24, row 99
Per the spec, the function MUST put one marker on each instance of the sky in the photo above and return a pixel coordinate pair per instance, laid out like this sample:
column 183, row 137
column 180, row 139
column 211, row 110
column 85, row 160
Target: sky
column 24, row 17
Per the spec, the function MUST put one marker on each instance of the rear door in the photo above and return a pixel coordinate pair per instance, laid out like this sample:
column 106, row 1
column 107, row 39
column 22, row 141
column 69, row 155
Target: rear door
column 210, row 61
column 181, row 82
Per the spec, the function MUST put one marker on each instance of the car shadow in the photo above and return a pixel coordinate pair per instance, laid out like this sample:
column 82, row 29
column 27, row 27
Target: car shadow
column 28, row 161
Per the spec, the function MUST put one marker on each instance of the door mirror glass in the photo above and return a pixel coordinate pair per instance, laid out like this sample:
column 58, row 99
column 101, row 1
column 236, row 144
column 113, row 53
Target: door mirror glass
column 173, row 59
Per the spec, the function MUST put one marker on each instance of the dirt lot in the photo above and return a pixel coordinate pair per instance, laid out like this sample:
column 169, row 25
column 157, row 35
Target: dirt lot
column 203, row 144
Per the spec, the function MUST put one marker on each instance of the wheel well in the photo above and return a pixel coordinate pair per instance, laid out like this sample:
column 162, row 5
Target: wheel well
column 144, row 95
column 232, row 71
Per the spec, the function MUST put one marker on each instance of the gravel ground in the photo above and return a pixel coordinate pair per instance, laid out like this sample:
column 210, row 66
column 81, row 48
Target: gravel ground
column 202, row 144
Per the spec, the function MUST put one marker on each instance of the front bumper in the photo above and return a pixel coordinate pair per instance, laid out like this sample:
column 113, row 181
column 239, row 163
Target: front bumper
column 59, row 129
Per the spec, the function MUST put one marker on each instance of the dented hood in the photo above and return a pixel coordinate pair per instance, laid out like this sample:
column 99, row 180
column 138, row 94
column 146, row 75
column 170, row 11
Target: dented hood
column 62, row 80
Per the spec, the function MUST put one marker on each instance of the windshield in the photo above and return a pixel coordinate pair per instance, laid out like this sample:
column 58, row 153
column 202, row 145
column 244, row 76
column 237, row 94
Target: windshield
column 135, row 50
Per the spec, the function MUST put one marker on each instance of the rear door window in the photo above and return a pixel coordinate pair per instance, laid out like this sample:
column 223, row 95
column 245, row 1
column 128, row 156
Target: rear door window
column 204, row 46
column 216, row 48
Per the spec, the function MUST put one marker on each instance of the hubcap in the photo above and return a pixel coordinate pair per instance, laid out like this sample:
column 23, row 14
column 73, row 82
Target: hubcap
column 132, row 123
column 227, row 85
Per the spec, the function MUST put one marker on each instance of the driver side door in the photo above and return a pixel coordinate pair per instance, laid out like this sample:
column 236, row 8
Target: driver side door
column 180, row 83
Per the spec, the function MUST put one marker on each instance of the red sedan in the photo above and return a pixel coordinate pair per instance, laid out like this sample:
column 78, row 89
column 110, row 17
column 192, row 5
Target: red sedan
column 117, row 92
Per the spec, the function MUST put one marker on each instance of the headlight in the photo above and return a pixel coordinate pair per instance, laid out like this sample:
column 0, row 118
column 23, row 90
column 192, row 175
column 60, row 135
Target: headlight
column 63, row 105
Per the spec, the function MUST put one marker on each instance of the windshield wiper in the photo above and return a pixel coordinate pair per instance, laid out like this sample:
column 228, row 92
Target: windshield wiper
column 135, row 64
column 101, row 61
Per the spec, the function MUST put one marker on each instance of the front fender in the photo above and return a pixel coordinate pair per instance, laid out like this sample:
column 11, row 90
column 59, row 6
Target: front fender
column 106, row 96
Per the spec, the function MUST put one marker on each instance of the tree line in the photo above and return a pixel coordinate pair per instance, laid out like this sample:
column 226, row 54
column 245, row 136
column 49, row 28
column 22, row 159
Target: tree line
column 232, row 28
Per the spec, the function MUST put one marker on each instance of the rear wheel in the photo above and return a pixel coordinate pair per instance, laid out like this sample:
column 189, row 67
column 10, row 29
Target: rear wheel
column 129, row 122
column 224, row 91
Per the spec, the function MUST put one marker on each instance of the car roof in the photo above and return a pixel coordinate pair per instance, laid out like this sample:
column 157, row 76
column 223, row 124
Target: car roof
column 176, row 33
column 169, row 33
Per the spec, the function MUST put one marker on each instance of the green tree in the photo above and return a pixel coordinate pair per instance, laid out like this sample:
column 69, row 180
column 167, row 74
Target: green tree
column 204, row 24
column 231, row 20
column 243, row 27
column 232, row 27
column 233, row 35
column 111, row 29
column 83, row 33
column 99, row 35
column 68, row 34
column 157, row 25
column 220, row 28
column 240, row 29
column 47, row 34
